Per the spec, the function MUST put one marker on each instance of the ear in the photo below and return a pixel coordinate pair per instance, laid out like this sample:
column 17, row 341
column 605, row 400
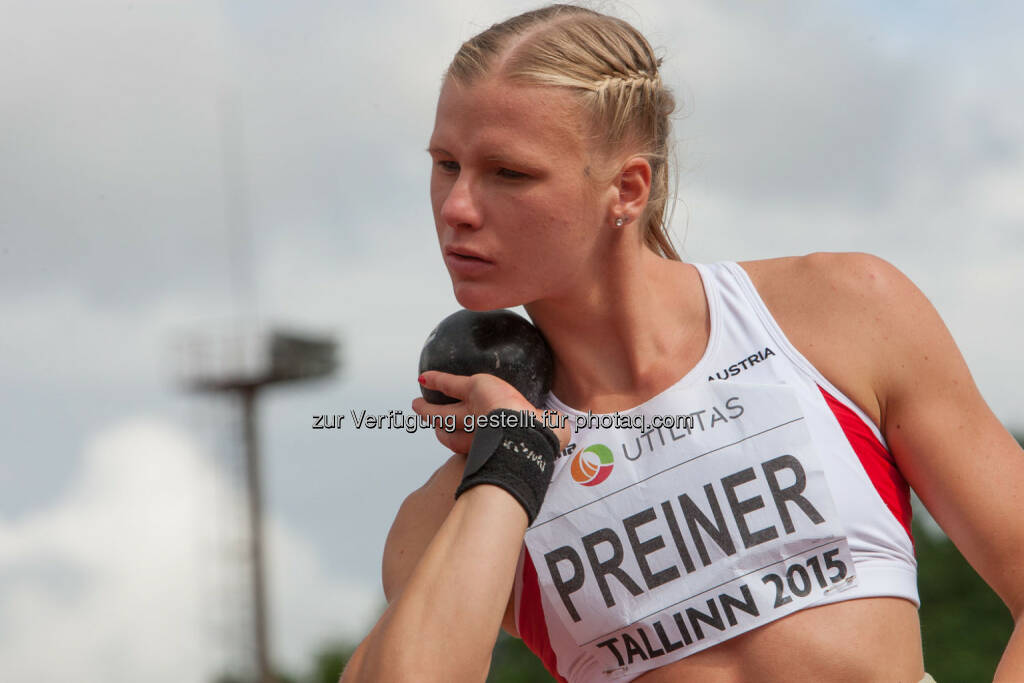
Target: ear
column 633, row 184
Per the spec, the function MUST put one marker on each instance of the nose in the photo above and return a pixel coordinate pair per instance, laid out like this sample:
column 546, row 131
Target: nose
column 460, row 208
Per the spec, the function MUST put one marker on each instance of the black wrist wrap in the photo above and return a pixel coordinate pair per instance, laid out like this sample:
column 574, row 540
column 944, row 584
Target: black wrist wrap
column 517, row 458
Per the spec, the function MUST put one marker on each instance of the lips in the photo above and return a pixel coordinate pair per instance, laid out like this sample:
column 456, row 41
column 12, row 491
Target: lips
column 466, row 262
column 465, row 252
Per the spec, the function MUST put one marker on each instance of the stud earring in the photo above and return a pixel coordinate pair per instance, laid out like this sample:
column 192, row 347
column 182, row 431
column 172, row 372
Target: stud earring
column 619, row 221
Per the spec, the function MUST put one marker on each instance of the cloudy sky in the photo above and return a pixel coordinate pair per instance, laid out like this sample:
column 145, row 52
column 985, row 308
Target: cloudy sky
column 168, row 168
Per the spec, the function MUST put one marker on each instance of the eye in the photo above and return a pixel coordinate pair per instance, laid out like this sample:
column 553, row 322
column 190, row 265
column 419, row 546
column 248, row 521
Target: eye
column 512, row 175
column 448, row 166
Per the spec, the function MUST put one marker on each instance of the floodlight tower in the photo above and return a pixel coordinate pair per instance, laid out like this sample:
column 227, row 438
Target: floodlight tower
column 242, row 367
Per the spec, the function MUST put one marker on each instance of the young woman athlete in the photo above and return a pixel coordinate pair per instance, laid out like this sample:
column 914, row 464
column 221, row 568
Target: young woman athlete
column 767, row 539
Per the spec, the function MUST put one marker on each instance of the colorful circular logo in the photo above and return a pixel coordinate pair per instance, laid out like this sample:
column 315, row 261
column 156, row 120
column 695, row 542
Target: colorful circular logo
column 592, row 465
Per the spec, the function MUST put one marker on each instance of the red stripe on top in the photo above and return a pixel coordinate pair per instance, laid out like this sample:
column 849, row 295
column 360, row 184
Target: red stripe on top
column 532, row 627
column 875, row 460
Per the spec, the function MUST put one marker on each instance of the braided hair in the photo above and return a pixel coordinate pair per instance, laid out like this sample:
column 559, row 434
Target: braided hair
column 611, row 70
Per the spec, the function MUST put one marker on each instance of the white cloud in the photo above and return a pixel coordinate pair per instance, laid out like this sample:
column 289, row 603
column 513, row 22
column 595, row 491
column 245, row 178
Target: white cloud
column 112, row 583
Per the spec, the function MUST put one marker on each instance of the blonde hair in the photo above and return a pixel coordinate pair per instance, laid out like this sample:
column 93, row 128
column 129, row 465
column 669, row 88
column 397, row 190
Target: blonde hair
column 613, row 73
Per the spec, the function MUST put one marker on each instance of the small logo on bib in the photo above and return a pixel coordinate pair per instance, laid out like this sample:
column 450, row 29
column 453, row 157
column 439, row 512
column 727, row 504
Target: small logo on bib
column 592, row 465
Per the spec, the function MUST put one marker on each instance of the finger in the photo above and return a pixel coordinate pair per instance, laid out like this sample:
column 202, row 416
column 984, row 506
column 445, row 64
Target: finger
column 424, row 408
column 456, row 386
column 448, row 422
column 421, row 406
column 456, row 442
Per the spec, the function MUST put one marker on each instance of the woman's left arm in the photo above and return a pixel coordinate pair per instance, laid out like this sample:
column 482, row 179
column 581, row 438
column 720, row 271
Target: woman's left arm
column 964, row 465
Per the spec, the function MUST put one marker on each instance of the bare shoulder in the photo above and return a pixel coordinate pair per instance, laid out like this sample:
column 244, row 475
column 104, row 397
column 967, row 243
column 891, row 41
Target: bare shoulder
column 845, row 312
column 841, row 278
column 859, row 295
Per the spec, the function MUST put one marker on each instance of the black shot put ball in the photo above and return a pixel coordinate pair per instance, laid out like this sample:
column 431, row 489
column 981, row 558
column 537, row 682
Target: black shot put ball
column 500, row 343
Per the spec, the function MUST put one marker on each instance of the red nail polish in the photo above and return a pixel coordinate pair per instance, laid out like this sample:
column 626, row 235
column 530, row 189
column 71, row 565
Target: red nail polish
column 422, row 381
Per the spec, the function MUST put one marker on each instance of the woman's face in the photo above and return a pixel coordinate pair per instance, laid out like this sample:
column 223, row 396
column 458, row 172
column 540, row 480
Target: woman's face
column 517, row 216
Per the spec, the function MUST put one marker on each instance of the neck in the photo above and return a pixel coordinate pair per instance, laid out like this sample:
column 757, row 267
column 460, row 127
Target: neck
column 626, row 333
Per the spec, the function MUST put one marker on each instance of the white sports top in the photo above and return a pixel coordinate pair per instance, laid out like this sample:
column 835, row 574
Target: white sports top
column 773, row 492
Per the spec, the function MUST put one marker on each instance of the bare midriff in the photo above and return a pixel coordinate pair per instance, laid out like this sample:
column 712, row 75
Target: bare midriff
column 869, row 639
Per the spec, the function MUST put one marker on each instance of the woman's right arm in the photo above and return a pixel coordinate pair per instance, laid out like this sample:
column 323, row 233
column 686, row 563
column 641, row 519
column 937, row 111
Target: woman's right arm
column 442, row 624
column 450, row 567
column 418, row 520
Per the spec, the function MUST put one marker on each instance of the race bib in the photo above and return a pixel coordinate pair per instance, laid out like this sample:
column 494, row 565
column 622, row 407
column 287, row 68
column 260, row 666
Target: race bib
column 656, row 542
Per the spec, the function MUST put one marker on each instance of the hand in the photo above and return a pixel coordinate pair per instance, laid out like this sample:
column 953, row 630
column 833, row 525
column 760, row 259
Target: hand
column 478, row 395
